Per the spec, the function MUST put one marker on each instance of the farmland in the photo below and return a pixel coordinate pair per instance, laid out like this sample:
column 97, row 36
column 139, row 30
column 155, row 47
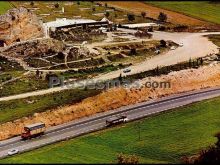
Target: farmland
column 153, row 12
column 181, row 132
column 207, row 11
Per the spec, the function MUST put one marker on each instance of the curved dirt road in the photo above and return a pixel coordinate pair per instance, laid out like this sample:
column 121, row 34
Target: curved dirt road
column 195, row 45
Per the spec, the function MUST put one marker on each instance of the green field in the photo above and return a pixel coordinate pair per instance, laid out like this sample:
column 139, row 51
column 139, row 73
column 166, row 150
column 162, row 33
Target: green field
column 204, row 10
column 215, row 39
column 4, row 6
column 163, row 139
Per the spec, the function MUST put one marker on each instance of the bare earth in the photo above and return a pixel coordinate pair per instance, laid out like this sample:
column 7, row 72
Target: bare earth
column 185, row 80
column 138, row 7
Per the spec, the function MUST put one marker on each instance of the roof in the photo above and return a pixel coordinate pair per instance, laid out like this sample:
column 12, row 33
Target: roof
column 140, row 25
column 65, row 22
column 36, row 125
column 105, row 19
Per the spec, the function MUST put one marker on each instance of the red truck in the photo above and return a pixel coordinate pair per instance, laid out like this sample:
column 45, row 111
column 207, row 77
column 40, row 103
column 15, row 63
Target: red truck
column 33, row 130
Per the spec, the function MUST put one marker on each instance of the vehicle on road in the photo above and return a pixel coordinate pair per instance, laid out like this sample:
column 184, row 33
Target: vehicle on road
column 181, row 44
column 116, row 120
column 126, row 70
column 13, row 152
column 173, row 48
column 33, row 130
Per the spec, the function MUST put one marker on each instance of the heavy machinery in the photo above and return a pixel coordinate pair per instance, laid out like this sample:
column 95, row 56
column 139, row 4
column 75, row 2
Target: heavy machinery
column 116, row 120
column 33, row 130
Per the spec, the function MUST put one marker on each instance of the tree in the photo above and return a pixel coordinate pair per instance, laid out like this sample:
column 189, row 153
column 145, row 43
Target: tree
column 32, row 3
column 190, row 62
column 208, row 156
column 106, row 5
column 162, row 17
column 38, row 73
column 130, row 159
column 131, row 17
column 107, row 14
column 143, row 14
column 57, row 5
column 163, row 43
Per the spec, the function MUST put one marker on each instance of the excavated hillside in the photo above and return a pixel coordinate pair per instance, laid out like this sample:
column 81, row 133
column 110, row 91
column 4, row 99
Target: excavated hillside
column 19, row 24
column 181, row 81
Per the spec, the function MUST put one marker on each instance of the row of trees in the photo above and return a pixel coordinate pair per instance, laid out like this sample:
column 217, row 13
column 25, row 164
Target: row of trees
column 162, row 17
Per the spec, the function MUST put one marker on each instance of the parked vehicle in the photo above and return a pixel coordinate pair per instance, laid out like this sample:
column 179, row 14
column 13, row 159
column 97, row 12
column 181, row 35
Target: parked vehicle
column 126, row 70
column 33, row 130
column 173, row 48
column 116, row 120
column 157, row 51
column 13, row 152
column 181, row 44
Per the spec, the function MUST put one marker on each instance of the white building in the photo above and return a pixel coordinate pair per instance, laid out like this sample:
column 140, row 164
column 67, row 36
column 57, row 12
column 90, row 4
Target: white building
column 64, row 22
column 140, row 25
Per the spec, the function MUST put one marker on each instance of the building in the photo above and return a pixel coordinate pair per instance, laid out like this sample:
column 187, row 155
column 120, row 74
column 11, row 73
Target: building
column 139, row 25
column 62, row 23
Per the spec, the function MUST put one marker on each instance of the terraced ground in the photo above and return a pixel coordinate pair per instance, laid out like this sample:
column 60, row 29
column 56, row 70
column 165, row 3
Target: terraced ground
column 204, row 10
column 163, row 139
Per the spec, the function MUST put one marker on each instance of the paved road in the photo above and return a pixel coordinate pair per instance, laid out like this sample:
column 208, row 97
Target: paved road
column 97, row 122
column 195, row 45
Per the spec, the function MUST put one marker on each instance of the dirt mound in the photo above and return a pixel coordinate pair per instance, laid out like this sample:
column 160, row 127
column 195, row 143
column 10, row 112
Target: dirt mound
column 181, row 81
column 19, row 24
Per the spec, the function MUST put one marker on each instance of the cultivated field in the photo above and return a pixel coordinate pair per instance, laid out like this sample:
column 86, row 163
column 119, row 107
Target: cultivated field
column 138, row 7
column 207, row 11
column 175, row 134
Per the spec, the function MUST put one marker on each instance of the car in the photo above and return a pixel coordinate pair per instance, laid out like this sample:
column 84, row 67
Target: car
column 181, row 44
column 173, row 48
column 126, row 70
column 157, row 51
column 13, row 152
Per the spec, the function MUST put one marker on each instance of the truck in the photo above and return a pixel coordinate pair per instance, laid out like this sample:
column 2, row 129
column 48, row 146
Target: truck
column 116, row 120
column 33, row 130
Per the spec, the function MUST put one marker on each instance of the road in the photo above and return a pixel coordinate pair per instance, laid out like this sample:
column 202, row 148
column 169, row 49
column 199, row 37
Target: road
column 195, row 45
column 97, row 122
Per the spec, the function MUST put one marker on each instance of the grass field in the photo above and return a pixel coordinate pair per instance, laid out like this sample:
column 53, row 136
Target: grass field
column 163, row 139
column 4, row 6
column 204, row 10
column 215, row 39
column 72, row 9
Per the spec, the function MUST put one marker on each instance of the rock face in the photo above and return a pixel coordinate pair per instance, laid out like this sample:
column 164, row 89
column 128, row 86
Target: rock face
column 19, row 24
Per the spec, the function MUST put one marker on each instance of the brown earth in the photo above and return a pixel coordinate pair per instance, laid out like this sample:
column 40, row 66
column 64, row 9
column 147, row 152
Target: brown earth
column 185, row 80
column 153, row 12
